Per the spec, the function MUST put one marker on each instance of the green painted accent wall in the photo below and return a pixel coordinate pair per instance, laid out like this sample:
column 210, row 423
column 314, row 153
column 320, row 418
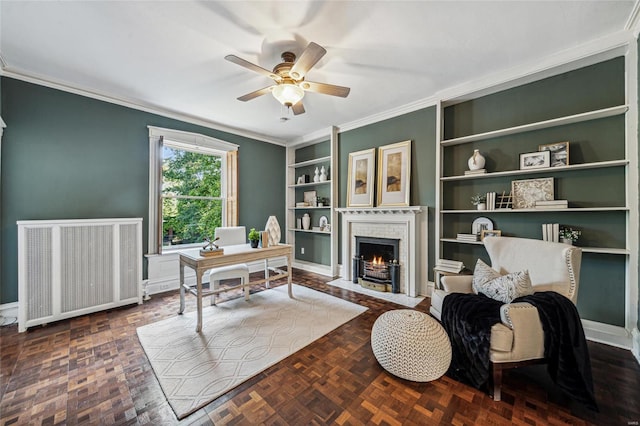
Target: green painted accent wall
column 418, row 126
column 601, row 295
column 65, row 156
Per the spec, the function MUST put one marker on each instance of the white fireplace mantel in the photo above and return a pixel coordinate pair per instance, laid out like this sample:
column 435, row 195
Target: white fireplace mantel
column 409, row 221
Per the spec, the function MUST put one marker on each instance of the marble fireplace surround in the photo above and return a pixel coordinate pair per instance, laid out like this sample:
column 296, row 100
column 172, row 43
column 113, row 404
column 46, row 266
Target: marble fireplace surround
column 409, row 224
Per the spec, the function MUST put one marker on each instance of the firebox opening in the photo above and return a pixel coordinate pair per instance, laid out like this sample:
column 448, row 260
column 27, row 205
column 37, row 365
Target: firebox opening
column 376, row 263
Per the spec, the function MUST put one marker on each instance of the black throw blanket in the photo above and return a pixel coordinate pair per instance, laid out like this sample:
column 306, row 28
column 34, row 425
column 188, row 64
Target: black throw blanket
column 468, row 319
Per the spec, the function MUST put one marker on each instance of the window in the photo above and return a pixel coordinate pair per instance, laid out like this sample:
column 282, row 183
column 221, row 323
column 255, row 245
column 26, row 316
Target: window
column 192, row 188
column 192, row 203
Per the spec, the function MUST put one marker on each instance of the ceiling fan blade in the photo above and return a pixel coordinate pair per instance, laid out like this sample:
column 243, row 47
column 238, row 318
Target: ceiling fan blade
column 326, row 89
column 253, row 67
column 255, row 94
column 308, row 59
column 298, row 108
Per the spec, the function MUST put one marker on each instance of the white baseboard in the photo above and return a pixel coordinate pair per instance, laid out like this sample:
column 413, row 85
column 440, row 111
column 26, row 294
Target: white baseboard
column 635, row 335
column 608, row 334
column 425, row 289
column 9, row 313
column 316, row 268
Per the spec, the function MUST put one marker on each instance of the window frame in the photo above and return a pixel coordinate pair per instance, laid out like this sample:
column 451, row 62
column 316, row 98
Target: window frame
column 177, row 139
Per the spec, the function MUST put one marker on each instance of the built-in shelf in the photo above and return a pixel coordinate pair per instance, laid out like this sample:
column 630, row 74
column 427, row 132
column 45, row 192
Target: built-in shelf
column 597, row 165
column 311, row 231
column 570, row 119
column 300, row 185
column 311, row 162
column 571, row 209
column 309, row 208
column 603, row 250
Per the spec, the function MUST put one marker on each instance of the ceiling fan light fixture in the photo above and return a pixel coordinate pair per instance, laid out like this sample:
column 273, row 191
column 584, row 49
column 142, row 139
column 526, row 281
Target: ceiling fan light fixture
column 288, row 94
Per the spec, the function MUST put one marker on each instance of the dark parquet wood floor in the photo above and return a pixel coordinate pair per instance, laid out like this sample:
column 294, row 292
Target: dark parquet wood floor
column 92, row 370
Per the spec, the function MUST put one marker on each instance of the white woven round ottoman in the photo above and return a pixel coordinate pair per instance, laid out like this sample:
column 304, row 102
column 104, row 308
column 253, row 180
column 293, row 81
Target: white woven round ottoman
column 411, row 345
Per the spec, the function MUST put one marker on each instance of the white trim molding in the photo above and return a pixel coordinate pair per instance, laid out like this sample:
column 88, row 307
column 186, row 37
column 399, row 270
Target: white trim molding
column 635, row 336
column 606, row 333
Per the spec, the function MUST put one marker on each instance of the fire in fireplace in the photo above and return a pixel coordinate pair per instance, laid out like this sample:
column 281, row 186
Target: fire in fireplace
column 375, row 265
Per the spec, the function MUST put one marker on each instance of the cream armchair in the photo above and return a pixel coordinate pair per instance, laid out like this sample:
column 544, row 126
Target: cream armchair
column 519, row 339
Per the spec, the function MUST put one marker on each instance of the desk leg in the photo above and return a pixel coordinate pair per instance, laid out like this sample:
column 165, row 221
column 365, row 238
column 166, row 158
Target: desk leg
column 266, row 272
column 181, row 289
column 290, row 273
column 199, row 300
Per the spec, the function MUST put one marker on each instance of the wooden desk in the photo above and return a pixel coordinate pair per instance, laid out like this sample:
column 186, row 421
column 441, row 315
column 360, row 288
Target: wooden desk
column 233, row 255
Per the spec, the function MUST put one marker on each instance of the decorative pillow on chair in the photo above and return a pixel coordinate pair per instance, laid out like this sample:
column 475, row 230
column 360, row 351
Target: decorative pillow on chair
column 503, row 288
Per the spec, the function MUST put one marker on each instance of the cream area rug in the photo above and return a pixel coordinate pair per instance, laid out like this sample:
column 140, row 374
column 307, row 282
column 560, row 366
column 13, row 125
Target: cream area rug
column 239, row 339
column 400, row 299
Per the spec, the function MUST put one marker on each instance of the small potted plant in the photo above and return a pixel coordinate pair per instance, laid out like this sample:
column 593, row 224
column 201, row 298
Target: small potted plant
column 254, row 237
column 479, row 201
column 569, row 235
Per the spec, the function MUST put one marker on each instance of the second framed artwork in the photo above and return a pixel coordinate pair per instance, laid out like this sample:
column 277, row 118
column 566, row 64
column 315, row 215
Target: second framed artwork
column 394, row 174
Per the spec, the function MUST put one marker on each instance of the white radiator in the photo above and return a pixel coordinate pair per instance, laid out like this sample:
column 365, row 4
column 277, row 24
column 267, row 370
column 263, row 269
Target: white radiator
column 68, row 268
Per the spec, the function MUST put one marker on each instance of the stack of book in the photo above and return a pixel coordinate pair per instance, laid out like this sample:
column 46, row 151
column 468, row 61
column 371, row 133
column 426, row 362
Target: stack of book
column 551, row 232
column 475, row 172
column 468, row 237
column 446, row 265
column 491, row 201
column 552, row 204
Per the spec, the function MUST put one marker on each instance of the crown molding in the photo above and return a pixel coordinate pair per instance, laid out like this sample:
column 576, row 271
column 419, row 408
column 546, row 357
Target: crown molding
column 633, row 23
column 135, row 104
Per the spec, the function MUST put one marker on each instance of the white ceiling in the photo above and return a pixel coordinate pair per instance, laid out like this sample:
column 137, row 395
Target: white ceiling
column 169, row 55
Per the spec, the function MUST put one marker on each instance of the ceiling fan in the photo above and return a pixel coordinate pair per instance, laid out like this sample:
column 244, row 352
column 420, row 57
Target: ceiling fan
column 289, row 77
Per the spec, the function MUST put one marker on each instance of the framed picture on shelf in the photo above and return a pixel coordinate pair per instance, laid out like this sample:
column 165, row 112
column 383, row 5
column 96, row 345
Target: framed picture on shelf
column 360, row 178
column 535, row 160
column 490, row 233
column 311, row 198
column 394, row 174
column 527, row 192
column 559, row 153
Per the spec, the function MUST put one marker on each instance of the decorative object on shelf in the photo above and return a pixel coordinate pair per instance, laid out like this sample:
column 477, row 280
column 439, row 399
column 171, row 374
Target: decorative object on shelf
column 476, row 161
column 306, row 221
column 559, row 153
column 273, row 230
column 569, row 235
column 360, row 178
column 301, row 180
column 490, row 233
column 394, row 174
column 475, row 172
column 254, row 238
column 535, row 160
column 323, row 174
column 527, row 192
column 504, row 201
column 323, row 222
column 302, row 204
column 264, row 239
column 299, row 223
column 480, row 224
column 479, row 200
column 316, row 175
column 311, row 198
column 553, row 204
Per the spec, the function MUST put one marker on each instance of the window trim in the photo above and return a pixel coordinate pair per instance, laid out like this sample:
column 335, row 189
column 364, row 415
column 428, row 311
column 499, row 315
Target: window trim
column 159, row 136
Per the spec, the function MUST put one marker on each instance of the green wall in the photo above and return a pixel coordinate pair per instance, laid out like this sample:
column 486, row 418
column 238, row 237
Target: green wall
column 418, row 126
column 66, row 156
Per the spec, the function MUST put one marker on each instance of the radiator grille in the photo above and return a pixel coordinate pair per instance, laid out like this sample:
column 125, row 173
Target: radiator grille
column 129, row 264
column 87, row 266
column 38, row 272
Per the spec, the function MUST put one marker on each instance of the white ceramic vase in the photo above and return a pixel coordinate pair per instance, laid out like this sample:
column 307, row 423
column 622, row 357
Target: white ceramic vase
column 323, row 174
column 481, row 206
column 566, row 241
column 476, row 161
column 306, row 221
column 273, row 229
column 316, row 175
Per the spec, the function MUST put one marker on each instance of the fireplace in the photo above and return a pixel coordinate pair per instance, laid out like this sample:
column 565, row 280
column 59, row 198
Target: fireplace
column 376, row 263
